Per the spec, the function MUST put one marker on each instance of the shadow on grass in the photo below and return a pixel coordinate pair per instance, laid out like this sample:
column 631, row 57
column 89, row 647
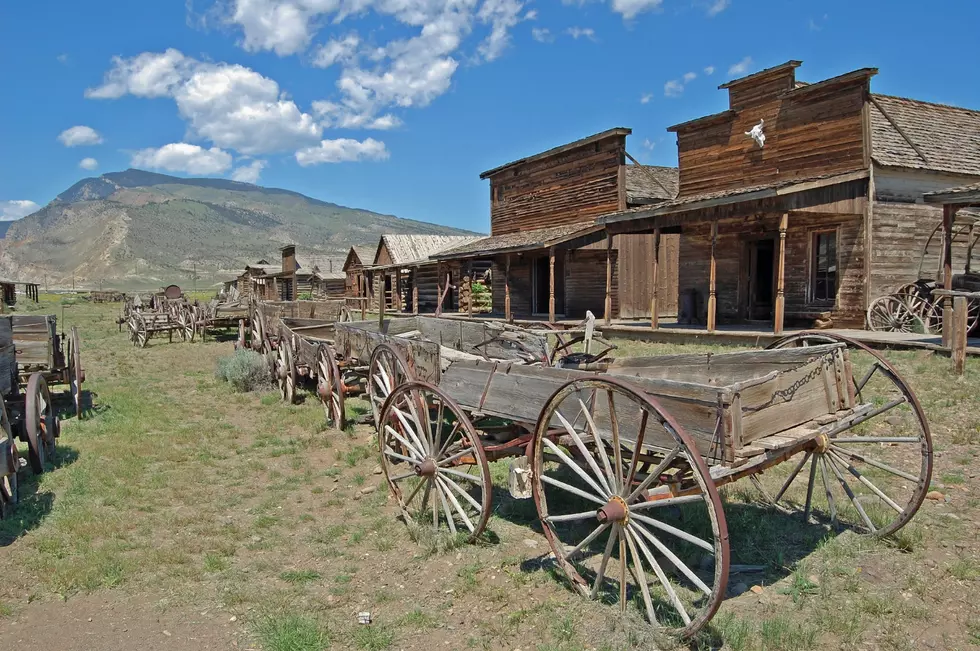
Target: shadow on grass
column 33, row 505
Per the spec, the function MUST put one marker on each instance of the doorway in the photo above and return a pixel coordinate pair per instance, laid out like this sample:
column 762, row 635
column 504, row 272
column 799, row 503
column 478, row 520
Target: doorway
column 762, row 279
column 541, row 283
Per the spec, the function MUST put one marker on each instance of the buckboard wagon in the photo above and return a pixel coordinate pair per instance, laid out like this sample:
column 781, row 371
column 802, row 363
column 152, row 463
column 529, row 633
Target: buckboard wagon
column 39, row 348
column 624, row 457
column 27, row 414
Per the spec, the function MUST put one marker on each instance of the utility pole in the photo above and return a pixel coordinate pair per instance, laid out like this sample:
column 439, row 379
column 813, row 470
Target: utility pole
column 195, row 276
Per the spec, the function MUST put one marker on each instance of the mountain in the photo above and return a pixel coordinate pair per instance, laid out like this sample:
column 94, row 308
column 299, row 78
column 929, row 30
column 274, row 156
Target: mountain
column 137, row 229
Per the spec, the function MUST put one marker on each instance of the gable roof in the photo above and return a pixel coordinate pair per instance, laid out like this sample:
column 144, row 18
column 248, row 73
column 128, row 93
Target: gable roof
column 617, row 131
column 540, row 238
column 651, row 183
column 359, row 255
column 922, row 135
column 408, row 249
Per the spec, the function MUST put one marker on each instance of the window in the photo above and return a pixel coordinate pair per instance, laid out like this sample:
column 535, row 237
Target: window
column 823, row 278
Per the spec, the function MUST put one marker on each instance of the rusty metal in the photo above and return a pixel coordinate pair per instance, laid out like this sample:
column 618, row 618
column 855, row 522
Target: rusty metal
column 426, row 469
column 615, row 510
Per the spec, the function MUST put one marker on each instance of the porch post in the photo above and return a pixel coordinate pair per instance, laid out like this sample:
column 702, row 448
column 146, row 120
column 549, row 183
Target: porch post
column 655, row 279
column 415, row 290
column 381, row 301
column 469, row 304
column 777, row 326
column 712, row 298
column 362, row 290
column 398, row 290
column 609, row 274
column 949, row 212
column 507, row 314
column 439, row 289
column 551, row 285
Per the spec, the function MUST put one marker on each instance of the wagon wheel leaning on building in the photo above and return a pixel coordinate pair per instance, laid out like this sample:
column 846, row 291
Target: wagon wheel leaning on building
column 886, row 452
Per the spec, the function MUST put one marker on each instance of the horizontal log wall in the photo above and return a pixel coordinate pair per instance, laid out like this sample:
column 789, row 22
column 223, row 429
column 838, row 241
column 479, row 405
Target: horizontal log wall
column 585, row 283
column 811, row 135
column 573, row 186
column 731, row 256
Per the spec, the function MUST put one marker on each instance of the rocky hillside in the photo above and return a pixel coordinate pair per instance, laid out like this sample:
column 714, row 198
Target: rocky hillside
column 140, row 229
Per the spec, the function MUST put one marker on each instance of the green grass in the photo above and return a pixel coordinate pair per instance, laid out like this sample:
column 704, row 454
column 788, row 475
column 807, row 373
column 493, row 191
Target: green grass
column 292, row 633
column 299, row 576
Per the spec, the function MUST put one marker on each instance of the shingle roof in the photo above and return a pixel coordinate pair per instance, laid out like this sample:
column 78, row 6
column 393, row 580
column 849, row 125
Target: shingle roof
column 921, row 135
column 539, row 238
column 265, row 268
column 964, row 194
column 651, row 183
column 408, row 249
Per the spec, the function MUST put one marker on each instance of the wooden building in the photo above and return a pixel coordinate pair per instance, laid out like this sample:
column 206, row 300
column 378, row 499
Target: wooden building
column 411, row 281
column 357, row 259
column 297, row 277
column 254, row 277
column 813, row 220
column 548, row 255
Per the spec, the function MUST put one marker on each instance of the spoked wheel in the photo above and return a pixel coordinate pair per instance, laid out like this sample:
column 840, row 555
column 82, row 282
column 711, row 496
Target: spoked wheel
column 76, row 374
column 345, row 315
column 41, row 424
column 434, row 462
column 330, row 386
column 140, row 334
column 894, row 314
column 871, row 470
column 934, row 315
column 258, row 332
column 618, row 532
column 387, row 370
column 240, row 341
column 9, row 464
column 185, row 317
column 286, row 372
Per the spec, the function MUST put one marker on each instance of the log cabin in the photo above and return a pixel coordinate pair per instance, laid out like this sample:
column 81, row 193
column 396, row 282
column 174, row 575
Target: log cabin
column 358, row 258
column 547, row 253
column 811, row 222
column 251, row 280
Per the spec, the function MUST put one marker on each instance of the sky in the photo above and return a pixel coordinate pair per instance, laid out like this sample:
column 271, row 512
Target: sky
column 397, row 106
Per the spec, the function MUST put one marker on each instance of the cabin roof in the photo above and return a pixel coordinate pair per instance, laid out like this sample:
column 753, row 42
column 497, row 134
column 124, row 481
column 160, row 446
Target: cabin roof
column 789, row 65
column 617, row 131
column 409, row 249
column 962, row 195
column 264, row 268
column 364, row 256
column 651, row 183
column 539, row 238
column 914, row 134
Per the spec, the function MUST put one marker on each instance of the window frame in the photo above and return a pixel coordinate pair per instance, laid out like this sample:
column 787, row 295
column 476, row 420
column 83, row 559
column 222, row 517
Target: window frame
column 812, row 252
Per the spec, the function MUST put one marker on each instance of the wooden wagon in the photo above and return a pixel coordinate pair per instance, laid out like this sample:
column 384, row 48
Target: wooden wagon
column 41, row 349
column 624, row 457
column 217, row 315
column 166, row 316
column 27, row 412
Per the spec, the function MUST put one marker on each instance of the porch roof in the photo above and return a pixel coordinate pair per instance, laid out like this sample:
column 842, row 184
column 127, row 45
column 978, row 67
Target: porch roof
column 964, row 195
column 668, row 212
column 539, row 238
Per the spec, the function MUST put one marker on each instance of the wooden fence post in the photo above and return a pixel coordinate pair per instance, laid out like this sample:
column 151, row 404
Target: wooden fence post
column 779, row 317
column 507, row 315
column 608, row 305
column 712, row 298
column 655, row 279
column 959, row 334
column 551, row 285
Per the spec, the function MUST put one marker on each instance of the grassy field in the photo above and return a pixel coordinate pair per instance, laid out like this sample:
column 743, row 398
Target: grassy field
column 194, row 497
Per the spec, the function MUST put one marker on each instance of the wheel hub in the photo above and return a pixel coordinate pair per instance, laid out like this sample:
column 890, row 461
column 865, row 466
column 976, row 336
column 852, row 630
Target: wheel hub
column 615, row 510
column 426, row 469
column 822, row 444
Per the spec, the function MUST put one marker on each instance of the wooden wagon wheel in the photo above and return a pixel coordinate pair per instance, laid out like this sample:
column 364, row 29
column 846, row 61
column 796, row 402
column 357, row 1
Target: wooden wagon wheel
column 387, row 370
column 434, row 463
column 185, row 317
column 258, row 331
column 9, row 493
column 140, row 334
column 240, row 341
column 286, row 372
column 40, row 423
column 76, row 372
column 345, row 315
column 893, row 313
column 330, row 386
column 874, row 467
column 603, row 517
column 934, row 315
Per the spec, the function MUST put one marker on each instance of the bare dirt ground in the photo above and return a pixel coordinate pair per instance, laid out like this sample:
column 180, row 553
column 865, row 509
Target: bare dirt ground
column 182, row 515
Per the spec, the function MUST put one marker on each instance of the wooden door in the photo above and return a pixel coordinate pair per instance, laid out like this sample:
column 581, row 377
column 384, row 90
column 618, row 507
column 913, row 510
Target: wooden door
column 635, row 253
column 541, row 284
column 761, row 290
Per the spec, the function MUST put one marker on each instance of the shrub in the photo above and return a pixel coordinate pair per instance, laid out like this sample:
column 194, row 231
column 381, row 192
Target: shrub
column 245, row 370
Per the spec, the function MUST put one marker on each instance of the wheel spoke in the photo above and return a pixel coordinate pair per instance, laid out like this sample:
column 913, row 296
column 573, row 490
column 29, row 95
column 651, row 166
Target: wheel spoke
column 404, row 441
column 809, row 487
column 641, row 576
column 867, row 376
column 601, row 574
column 667, row 501
column 446, row 512
column 600, row 446
column 654, row 474
column 850, row 494
column 458, row 455
column 391, row 453
column 864, row 480
column 554, row 449
column 462, row 475
column 863, row 458
column 637, row 449
column 674, row 531
column 605, row 490
column 398, row 478
column 571, row 489
column 677, row 562
column 622, row 568
column 571, row 517
column 792, row 475
column 476, row 505
column 459, row 508
column 826, row 486
column 671, row 593
column 409, row 429
column 867, row 416
column 617, row 450
column 588, row 539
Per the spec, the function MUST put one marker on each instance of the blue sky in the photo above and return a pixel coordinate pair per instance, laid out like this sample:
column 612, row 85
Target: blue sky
column 398, row 105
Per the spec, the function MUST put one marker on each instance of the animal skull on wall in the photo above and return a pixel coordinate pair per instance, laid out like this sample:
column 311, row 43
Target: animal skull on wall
column 757, row 134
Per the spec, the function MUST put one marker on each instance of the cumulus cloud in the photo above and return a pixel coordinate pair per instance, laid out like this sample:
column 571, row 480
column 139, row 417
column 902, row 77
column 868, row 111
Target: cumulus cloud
column 630, row 9
column 78, row 136
column 336, row 50
column 648, row 144
column 690, row 76
column 88, row 164
column 542, row 35
column 581, row 32
column 710, row 70
column 645, row 98
column 16, row 208
column 184, row 157
column 741, row 67
column 342, row 150
column 673, row 88
column 717, row 7
column 331, row 114
column 150, row 74
column 249, row 173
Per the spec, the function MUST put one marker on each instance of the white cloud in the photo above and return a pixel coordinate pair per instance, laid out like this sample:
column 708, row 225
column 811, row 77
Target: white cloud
column 717, row 7
column 502, row 16
column 88, row 164
column 741, row 67
column 249, row 173
column 689, row 77
column 645, row 98
column 80, row 135
column 531, row 15
column 16, row 208
column 150, row 74
column 710, row 70
column 62, row 58
column 331, row 114
column 342, row 150
column 581, row 32
column 542, row 35
column 336, row 50
column 648, row 144
column 630, row 9
column 183, row 157
column 283, row 27
column 673, row 88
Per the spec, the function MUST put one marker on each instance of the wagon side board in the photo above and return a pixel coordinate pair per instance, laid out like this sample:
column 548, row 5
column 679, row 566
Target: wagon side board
column 34, row 337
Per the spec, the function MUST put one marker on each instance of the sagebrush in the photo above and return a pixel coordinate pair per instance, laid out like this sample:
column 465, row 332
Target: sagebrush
column 245, row 370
